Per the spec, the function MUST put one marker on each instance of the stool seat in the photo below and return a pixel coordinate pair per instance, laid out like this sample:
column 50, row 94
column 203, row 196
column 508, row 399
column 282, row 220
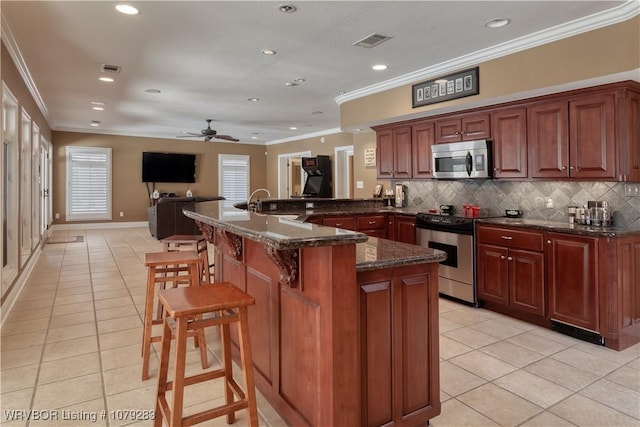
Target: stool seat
column 174, row 268
column 195, row 242
column 184, row 313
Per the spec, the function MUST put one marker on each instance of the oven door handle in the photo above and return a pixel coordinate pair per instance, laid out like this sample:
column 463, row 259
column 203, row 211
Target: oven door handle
column 469, row 163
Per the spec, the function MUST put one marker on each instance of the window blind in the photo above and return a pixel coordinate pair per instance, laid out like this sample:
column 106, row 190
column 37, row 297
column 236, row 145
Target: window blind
column 233, row 177
column 88, row 183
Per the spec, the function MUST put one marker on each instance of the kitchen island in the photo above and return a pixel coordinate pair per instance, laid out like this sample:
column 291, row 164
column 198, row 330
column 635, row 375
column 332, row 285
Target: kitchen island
column 345, row 327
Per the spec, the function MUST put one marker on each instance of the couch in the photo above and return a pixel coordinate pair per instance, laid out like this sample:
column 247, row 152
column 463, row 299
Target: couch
column 166, row 217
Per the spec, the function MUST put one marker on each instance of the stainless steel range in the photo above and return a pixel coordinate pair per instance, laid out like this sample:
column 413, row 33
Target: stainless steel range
column 455, row 236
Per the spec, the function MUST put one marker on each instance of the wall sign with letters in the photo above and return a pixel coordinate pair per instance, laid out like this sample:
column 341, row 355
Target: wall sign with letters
column 456, row 85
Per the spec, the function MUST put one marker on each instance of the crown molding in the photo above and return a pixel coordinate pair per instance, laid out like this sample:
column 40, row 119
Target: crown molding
column 18, row 60
column 305, row 136
column 622, row 13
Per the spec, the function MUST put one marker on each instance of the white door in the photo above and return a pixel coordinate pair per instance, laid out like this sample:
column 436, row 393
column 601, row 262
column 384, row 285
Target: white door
column 286, row 174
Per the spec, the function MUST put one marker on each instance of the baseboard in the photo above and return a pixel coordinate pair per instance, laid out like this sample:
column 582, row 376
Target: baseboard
column 18, row 285
column 97, row 225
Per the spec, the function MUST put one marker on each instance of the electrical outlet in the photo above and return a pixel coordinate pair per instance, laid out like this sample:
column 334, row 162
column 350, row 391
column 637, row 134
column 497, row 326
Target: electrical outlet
column 632, row 190
column 121, row 214
column 57, row 215
column 549, row 203
column 359, row 184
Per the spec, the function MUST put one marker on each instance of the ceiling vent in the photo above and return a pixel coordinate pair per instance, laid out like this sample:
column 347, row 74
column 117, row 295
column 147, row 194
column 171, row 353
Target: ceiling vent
column 106, row 68
column 372, row 40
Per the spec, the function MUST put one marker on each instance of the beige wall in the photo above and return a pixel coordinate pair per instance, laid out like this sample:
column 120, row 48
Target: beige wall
column 129, row 193
column 606, row 51
column 13, row 80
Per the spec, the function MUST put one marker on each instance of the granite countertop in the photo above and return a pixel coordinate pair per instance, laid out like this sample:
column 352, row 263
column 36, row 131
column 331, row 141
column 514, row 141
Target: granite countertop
column 286, row 232
column 562, row 227
column 382, row 253
column 282, row 232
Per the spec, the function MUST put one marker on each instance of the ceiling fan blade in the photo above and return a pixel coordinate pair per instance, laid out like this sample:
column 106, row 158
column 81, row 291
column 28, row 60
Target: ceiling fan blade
column 227, row 138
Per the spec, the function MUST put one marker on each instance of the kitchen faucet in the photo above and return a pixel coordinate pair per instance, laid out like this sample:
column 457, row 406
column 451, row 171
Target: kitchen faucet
column 257, row 206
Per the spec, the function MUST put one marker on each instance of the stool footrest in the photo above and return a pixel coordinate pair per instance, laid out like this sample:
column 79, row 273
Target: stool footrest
column 215, row 413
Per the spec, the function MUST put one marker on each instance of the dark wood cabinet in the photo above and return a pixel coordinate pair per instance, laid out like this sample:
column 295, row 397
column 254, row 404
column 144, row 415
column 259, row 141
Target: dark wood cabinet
column 592, row 149
column 394, row 153
column 402, row 228
column 372, row 225
column 397, row 306
column 572, row 268
column 466, row 127
column 628, row 112
column 588, row 134
column 345, row 222
column 510, row 269
column 423, row 137
column 573, row 139
column 509, row 134
column 548, row 139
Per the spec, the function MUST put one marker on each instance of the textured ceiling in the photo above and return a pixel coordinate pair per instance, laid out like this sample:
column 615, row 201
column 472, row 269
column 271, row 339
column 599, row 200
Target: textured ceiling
column 205, row 57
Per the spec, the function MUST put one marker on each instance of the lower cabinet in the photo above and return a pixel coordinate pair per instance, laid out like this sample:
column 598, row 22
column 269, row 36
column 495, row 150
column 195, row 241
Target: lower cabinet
column 511, row 274
column 399, row 345
column 402, row 228
column 572, row 281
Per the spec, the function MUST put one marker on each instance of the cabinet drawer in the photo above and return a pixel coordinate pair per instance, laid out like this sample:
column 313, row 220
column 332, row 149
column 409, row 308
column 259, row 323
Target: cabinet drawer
column 508, row 237
column 371, row 222
column 344, row 222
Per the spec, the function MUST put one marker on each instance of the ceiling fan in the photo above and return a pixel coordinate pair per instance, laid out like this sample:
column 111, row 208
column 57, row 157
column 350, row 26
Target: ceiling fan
column 208, row 134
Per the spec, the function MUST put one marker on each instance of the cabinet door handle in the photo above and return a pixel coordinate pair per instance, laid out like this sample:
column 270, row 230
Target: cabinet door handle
column 548, row 242
column 503, row 257
column 509, row 258
column 506, row 237
column 338, row 224
column 371, row 222
column 571, row 168
column 563, row 167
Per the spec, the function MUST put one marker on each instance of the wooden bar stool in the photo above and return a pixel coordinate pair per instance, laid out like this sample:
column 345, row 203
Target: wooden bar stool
column 192, row 242
column 174, row 268
column 182, row 305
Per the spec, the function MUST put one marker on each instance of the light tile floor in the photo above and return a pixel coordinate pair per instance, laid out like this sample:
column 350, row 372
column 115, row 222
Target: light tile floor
column 71, row 349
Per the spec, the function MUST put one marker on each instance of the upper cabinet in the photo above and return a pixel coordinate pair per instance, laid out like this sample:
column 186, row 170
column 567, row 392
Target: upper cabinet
column 585, row 134
column 394, row 153
column 422, row 138
column 548, row 139
column 573, row 139
column 466, row 127
column 509, row 129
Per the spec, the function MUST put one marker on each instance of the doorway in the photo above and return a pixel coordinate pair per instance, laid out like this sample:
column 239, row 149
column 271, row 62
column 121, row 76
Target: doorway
column 291, row 177
column 343, row 172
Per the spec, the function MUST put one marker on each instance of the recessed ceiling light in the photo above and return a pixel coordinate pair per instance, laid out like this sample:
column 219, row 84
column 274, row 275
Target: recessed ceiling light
column 287, row 8
column 253, row 99
column 379, row 67
column 127, row 9
column 293, row 128
column 316, row 112
column 254, row 137
column 299, row 80
column 497, row 23
column 98, row 103
column 97, row 108
column 106, row 79
column 153, row 90
column 269, row 52
column 94, row 123
column 291, row 84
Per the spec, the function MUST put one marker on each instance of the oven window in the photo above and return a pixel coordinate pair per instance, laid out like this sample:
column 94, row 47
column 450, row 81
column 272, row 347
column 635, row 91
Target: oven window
column 451, row 164
column 451, row 250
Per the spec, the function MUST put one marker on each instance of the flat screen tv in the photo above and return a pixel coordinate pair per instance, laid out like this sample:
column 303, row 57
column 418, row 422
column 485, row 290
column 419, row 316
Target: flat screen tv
column 168, row 167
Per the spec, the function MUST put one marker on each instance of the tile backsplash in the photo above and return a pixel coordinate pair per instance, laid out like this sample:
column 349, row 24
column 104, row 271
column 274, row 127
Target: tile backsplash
column 494, row 196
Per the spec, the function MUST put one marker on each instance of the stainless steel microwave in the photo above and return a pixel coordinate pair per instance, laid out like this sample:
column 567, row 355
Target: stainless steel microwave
column 468, row 159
